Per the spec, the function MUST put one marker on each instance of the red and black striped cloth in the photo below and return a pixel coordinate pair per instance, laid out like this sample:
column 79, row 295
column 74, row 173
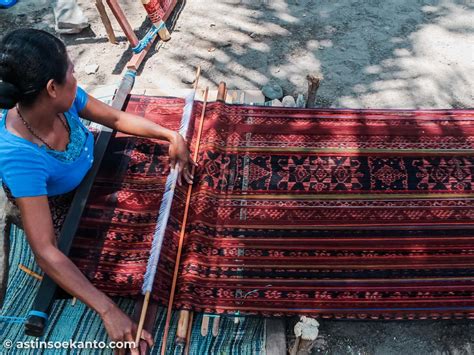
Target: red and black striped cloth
column 159, row 10
column 332, row 213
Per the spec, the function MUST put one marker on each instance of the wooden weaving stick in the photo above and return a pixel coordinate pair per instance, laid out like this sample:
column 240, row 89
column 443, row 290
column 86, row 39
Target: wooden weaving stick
column 221, row 95
column 37, row 319
column 152, row 270
column 183, row 230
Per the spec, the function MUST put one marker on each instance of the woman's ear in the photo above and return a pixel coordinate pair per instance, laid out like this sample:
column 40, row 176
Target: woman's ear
column 51, row 88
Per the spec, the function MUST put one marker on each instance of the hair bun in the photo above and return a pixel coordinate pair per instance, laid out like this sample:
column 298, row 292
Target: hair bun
column 9, row 95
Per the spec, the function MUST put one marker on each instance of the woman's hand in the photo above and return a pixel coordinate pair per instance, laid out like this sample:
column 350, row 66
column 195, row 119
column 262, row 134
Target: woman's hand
column 38, row 224
column 121, row 328
column 180, row 158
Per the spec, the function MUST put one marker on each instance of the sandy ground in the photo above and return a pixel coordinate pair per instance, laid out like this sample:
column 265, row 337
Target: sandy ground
column 370, row 53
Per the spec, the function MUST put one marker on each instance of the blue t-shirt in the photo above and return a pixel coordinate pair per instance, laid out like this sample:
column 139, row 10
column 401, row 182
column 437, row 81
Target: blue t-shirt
column 30, row 170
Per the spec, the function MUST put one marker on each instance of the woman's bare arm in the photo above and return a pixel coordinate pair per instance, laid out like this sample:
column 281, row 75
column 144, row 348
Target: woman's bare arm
column 36, row 218
column 37, row 222
column 125, row 122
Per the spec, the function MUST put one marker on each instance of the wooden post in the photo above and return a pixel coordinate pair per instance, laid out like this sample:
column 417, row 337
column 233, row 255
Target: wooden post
column 123, row 22
column 183, row 228
column 137, row 58
column 106, row 21
column 221, row 91
column 183, row 323
column 313, row 86
column 205, row 325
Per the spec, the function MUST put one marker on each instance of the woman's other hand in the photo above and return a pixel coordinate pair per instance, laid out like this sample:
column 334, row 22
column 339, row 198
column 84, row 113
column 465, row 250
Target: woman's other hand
column 180, row 158
column 121, row 329
column 106, row 115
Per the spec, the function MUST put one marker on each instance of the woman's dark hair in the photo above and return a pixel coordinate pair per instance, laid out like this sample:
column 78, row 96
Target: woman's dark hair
column 28, row 60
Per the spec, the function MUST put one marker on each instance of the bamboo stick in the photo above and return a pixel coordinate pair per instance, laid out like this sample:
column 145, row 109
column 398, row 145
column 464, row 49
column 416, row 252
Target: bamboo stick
column 147, row 294
column 184, row 319
column 182, row 331
column 30, row 272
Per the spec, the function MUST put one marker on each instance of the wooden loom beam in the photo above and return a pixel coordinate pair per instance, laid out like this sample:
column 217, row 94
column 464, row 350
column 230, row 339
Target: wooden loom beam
column 37, row 320
column 138, row 58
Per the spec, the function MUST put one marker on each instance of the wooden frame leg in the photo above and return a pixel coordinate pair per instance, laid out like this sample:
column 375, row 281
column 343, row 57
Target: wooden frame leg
column 106, row 21
column 123, row 22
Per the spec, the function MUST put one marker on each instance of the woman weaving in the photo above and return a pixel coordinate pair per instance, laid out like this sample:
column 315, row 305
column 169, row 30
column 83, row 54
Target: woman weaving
column 45, row 152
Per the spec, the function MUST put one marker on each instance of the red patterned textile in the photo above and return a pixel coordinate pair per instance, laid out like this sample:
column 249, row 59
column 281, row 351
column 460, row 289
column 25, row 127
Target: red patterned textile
column 332, row 213
column 159, row 9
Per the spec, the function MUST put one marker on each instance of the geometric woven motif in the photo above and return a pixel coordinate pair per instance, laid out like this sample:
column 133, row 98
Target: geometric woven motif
column 364, row 214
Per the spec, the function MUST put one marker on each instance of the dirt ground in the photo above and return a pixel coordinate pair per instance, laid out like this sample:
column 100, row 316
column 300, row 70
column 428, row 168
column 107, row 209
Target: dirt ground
column 370, row 53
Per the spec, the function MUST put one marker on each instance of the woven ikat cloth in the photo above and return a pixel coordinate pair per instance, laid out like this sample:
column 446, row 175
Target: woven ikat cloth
column 331, row 213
